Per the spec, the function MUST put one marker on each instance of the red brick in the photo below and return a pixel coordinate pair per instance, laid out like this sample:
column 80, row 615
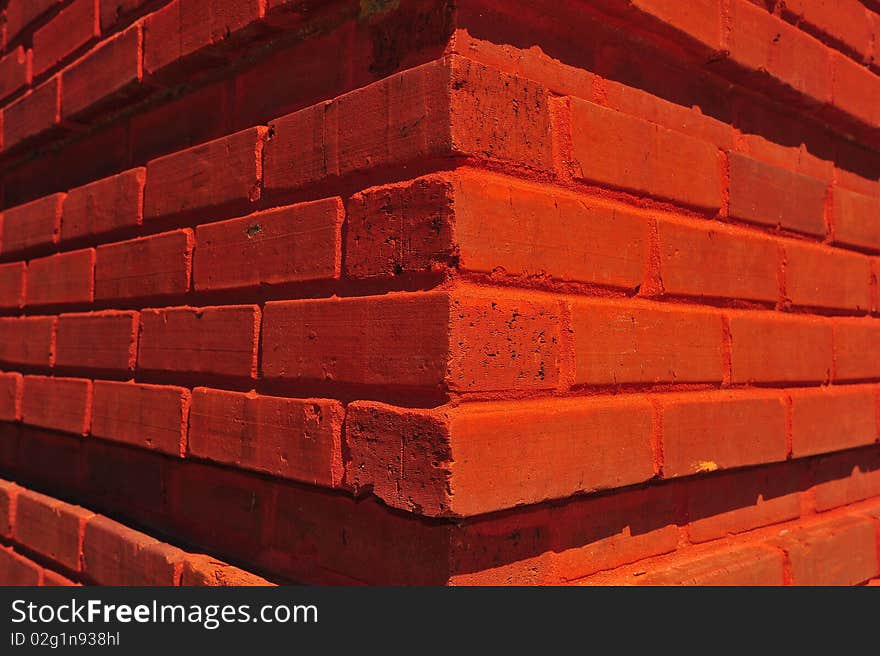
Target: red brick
column 856, row 220
column 55, row 579
column 770, row 348
column 15, row 72
column 62, row 404
column 765, row 45
column 744, row 566
column 838, row 552
column 107, row 74
column 845, row 478
column 105, row 206
column 294, row 438
column 705, row 432
column 50, row 527
column 28, row 340
column 742, row 500
column 291, row 244
column 404, row 339
column 103, row 341
column 855, row 90
column 611, row 148
column 193, row 118
column 854, row 341
column 112, row 11
column 532, row 230
column 186, row 26
column 833, row 419
column 21, row 13
column 483, row 457
column 10, row 396
column 768, row 195
column 148, row 416
column 716, row 262
column 61, row 278
column 148, row 267
column 220, row 173
column 200, row 570
column 845, row 21
column 12, row 277
column 188, row 340
column 17, row 570
column 32, row 225
column 8, row 495
column 617, row 344
column 450, row 106
column 807, row 282
column 114, row 554
column 33, row 114
column 73, row 27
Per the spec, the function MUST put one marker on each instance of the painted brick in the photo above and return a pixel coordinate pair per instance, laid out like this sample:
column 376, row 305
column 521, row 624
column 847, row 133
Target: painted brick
column 17, row 570
column 201, row 570
column 54, row 579
column 502, row 343
column 833, row 419
column 766, row 46
column 73, row 27
column 50, row 527
column 533, row 230
column 33, row 225
column 62, row 278
column 807, row 281
column 33, row 114
column 767, row 348
column 406, row 117
column 768, row 195
column 114, row 554
column 15, row 72
column 464, row 462
column 291, row 244
column 294, row 438
column 21, row 13
column 10, row 396
column 8, row 495
column 28, row 340
column 717, row 263
column 611, row 148
column 220, row 173
column 854, row 340
column 737, row 501
column 148, row 416
column 184, row 27
column 855, row 90
column 188, row 340
column 111, row 11
column 103, row 207
column 745, row 566
column 103, row 341
column 706, row 432
column 856, row 220
column 617, row 344
column 839, row 552
column 845, row 478
column 846, row 21
column 109, row 73
column 62, row 404
column 12, row 277
column 148, row 267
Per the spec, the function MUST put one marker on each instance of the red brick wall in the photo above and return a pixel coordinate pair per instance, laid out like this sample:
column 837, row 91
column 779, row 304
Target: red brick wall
column 448, row 292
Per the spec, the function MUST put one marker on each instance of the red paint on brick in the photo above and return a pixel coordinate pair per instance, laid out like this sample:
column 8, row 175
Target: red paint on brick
column 104, row 206
column 64, row 278
column 62, row 404
column 148, row 267
column 102, row 341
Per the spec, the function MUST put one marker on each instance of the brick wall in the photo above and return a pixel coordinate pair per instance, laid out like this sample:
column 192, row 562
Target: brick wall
column 445, row 292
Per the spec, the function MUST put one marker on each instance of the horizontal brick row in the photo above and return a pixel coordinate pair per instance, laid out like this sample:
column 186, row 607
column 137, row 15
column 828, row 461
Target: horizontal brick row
column 569, row 446
column 834, row 551
column 94, row 549
column 309, row 535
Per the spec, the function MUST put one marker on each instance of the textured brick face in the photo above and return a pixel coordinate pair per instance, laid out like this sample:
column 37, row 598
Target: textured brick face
column 435, row 292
